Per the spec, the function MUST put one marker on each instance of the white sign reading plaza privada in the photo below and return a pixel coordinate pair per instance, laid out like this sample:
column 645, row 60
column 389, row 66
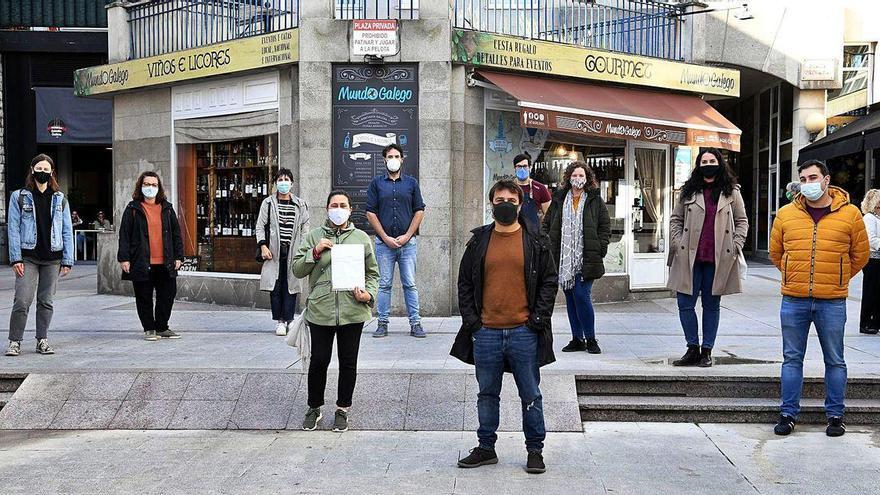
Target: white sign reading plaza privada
column 377, row 38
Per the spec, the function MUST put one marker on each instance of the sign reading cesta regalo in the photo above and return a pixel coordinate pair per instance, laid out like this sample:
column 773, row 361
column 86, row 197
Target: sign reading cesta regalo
column 508, row 52
column 255, row 52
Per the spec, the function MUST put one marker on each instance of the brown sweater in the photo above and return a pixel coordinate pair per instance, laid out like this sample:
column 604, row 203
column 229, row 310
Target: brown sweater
column 505, row 304
column 154, row 230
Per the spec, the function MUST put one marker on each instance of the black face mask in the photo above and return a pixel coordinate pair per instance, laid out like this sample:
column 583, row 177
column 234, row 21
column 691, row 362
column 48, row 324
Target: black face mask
column 42, row 177
column 505, row 213
column 710, row 170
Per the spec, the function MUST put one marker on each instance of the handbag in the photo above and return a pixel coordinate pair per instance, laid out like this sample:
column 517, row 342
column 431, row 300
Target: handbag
column 743, row 266
column 259, row 256
column 298, row 336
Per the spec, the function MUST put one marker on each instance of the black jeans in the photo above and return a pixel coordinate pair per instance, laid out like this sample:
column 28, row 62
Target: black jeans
column 166, row 288
column 870, row 314
column 283, row 302
column 348, row 341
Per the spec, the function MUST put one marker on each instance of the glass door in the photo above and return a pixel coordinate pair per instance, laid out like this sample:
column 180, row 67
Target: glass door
column 649, row 214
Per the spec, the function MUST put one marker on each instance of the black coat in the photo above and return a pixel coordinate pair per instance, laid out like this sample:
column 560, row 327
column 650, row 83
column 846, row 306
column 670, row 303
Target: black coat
column 134, row 241
column 541, row 284
column 597, row 231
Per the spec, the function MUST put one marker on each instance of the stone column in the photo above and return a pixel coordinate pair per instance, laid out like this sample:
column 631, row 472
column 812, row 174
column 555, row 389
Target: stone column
column 806, row 102
column 118, row 32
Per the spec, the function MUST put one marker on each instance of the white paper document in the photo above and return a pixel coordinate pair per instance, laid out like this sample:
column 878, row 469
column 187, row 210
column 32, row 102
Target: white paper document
column 348, row 270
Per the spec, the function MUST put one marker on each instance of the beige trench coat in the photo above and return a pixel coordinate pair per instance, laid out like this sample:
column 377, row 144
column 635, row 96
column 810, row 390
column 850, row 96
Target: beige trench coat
column 685, row 226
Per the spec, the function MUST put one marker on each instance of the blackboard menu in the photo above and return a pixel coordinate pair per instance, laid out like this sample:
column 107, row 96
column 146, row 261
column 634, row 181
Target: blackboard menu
column 373, row 106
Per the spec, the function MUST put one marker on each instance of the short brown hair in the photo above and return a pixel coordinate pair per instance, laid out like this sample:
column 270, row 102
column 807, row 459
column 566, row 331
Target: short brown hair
column 138, row 195
column 506, row 185
column 566, row 176
column 30, row 183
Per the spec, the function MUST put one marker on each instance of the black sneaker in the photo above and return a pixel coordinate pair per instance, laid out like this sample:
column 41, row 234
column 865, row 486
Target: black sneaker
column 836, row 427
column 535, row 463
column 478, row 457
column 785, row 425
column 593, row 346
column 340, row 421
column 313, row 415
column 576, row 345
column 167, row 334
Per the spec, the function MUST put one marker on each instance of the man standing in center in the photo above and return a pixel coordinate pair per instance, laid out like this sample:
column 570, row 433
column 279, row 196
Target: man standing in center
column 395, row 210
column 506, row 291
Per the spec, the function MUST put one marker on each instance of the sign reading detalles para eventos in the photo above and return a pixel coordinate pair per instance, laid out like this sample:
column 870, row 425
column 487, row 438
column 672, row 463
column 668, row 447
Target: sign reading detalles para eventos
column 373, row 106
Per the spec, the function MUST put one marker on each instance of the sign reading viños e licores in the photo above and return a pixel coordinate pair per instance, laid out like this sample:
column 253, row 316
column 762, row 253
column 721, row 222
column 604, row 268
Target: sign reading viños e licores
column 377, row 38
column 267, row 50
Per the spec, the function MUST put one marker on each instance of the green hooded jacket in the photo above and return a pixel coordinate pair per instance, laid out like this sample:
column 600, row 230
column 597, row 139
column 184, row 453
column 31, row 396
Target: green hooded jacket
column 324, row 306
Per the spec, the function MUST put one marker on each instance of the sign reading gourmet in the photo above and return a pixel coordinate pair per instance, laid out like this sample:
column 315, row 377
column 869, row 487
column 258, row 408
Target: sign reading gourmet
column 623, row 129
column 509, row 52
column 373, row 106
column 255, row 52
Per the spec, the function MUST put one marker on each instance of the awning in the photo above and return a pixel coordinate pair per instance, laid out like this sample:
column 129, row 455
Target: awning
column 62, row 118
column 226, row 127
column 622, row 113
column 853, row 138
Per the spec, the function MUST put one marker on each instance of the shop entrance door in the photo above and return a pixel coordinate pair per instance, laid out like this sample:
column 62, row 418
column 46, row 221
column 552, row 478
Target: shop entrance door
column 648, row 172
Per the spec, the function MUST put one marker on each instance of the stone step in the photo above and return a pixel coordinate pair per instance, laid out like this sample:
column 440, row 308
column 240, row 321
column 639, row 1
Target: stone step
column 715, row 386
column 9, row 382
column 4, row 398
column 714, row 409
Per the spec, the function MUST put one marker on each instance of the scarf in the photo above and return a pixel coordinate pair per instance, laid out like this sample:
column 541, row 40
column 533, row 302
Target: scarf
column 571, row 252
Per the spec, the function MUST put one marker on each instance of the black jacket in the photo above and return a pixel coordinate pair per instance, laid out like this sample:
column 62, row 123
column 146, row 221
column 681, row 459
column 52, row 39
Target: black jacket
column 597, row 231
column 541, row 284
column 134, row 241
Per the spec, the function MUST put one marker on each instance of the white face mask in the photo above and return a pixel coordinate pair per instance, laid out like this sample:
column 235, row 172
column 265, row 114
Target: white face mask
column 578, row 182
column 150, row 191
column 812, row 191
column 339, row 216
column 393, row 164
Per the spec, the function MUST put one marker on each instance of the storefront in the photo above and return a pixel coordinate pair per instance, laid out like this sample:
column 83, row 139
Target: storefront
column 641, row 143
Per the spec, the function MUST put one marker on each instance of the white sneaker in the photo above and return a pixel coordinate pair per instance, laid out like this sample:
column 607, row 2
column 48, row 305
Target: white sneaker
column 281, row 329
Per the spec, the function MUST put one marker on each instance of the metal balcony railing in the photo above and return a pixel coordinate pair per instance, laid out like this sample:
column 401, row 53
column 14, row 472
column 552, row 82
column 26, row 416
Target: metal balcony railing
column 638, row 27
column 164, row 26
column 378, row 9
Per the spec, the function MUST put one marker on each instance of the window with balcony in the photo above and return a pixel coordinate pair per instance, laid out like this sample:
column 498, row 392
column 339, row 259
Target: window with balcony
column 856, row 65
column 377, row 9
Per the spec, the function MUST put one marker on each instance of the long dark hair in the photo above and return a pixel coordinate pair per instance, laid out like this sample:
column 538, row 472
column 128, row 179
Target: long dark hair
column 566, row 176
column 725, row 181
column 30, row 183
column 138, row 195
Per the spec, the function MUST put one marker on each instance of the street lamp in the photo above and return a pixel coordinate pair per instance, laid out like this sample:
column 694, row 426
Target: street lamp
column 814, row 124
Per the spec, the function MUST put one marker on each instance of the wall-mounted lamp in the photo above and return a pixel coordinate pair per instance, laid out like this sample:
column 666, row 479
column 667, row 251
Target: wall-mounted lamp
column 743, row 13
column 814, row 124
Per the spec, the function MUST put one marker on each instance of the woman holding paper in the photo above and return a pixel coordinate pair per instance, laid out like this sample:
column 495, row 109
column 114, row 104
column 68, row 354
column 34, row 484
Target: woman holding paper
column 337, row 306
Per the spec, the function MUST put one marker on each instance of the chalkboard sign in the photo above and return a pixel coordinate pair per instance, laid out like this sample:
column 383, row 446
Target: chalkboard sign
column 190, row 264
column 373, row 106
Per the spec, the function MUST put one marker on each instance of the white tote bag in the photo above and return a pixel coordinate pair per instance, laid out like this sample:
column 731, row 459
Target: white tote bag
column 743, row 266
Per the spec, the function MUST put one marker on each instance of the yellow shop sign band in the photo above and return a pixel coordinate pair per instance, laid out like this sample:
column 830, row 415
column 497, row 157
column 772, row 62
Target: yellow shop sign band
column 509, row 52
column 266, row 50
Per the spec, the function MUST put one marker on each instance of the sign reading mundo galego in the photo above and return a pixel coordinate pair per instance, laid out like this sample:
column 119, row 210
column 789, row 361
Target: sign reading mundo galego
column 255, row 52
column 509, row 52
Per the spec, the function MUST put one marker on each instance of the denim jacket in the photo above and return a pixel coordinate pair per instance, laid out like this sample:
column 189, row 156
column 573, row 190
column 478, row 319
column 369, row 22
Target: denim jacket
column 22, row 226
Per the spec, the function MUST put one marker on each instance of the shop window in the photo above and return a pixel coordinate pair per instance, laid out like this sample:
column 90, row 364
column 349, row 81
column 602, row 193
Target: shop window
column 786, row 111
column 221, row 187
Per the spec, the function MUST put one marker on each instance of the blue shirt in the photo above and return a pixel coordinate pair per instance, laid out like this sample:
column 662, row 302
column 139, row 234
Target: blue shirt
column 395, row 202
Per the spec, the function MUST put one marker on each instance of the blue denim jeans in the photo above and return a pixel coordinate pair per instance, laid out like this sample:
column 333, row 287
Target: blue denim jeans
column 704, row 275
column 519, row 348
column 579, row 303
column 405, row 257
column 829, row 316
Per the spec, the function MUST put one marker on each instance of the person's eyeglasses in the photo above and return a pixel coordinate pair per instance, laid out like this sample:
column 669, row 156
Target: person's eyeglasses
column 520, row 166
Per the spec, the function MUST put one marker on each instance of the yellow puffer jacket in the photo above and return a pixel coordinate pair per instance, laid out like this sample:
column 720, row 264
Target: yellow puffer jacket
column 818, row 260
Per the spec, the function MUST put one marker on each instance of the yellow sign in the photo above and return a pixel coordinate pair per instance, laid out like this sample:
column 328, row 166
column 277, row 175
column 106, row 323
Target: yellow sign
column 509, row 52
column 266, row 50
